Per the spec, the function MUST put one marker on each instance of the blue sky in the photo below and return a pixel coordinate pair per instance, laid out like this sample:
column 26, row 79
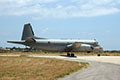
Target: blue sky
column 83, row 19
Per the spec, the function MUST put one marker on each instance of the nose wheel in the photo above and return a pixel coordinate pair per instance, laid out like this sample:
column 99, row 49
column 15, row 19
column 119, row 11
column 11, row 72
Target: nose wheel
column 98, row 54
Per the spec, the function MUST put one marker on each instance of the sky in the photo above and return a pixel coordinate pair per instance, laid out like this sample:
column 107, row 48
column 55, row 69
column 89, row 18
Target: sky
column 76, row 19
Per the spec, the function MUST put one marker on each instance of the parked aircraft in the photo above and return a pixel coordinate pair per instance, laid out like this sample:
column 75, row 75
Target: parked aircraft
column 59, row 45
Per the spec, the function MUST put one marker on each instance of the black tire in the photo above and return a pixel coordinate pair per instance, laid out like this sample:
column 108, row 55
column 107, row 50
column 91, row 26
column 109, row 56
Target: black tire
column 98, row 54
column 88, row 51
column 68, row 54
column 72, row 55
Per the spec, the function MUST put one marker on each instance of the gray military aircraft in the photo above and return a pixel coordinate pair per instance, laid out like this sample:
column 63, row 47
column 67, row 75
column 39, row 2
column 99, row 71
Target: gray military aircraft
column 59, row 45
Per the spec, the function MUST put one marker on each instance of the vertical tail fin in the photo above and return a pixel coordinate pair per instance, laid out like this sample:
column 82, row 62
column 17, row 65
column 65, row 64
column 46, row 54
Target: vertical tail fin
column 27, row 32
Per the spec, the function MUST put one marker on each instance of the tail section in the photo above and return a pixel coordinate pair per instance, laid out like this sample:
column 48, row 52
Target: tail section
column 27, row 35
column 27, row 32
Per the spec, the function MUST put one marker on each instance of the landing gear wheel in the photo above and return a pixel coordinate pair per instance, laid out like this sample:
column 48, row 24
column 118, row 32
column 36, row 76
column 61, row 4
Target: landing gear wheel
column 88, row 51
column 72, row 55
column 68, row 54
column 98, row 54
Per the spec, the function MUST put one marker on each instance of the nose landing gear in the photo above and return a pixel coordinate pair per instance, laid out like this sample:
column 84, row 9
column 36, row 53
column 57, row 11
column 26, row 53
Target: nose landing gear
column 98, row 54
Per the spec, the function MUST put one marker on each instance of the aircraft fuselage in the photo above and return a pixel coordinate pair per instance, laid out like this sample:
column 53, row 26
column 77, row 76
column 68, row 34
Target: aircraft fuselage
column 61, row 45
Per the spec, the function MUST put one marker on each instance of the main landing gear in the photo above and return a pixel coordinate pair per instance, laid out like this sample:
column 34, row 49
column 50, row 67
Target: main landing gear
column 70, row 55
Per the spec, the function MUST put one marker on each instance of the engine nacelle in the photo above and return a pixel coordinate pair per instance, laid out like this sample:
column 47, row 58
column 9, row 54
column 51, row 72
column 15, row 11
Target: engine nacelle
column 90, row 48
column 86, row 47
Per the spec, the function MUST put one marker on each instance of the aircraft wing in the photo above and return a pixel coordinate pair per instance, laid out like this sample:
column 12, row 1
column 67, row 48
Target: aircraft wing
column 73, row 46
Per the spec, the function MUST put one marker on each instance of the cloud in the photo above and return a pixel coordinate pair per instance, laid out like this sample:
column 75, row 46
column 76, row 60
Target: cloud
column 59, row 8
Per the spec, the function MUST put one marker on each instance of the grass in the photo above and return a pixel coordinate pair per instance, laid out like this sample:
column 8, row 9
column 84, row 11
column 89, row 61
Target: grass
column 111, row 54
column 27, row 68
column 48, row 53
column 61, row 53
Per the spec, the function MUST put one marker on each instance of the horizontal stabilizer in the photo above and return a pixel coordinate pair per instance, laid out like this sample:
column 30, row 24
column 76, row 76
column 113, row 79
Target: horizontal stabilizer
column 17, row 42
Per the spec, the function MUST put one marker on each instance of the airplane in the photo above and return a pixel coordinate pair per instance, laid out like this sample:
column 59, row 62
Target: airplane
column 58, row 45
